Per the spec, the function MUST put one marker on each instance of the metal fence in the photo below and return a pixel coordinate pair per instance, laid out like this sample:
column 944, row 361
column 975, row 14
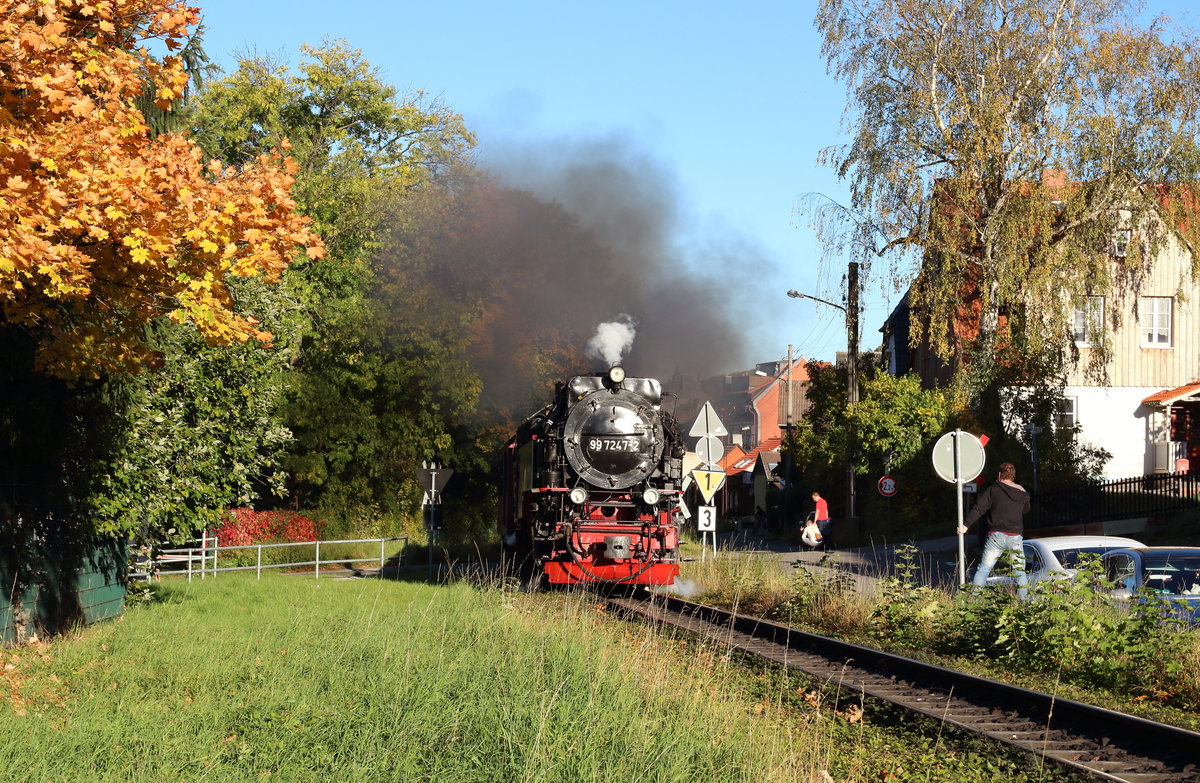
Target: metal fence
column 203, row 557
column 1159, row 495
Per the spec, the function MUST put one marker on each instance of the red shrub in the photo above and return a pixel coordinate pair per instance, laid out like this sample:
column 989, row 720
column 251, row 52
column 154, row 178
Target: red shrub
column 243, row 526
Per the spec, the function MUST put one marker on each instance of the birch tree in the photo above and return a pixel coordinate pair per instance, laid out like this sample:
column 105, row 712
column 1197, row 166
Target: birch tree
column 997, row 148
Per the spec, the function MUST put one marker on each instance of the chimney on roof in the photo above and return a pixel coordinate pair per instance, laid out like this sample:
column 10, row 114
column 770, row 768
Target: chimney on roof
column 1054, row 179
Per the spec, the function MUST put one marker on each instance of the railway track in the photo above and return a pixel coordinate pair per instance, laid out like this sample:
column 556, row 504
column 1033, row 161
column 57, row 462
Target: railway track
column 1106, row 744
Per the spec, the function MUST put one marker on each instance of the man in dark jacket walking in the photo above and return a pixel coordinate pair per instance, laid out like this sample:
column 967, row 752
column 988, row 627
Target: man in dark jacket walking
column 1005, row 502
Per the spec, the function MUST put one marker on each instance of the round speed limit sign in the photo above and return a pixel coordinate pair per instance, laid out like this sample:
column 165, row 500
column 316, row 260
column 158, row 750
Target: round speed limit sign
column 887, row 486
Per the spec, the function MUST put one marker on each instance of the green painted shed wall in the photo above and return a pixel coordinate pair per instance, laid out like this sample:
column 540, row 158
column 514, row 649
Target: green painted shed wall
column 52, row 586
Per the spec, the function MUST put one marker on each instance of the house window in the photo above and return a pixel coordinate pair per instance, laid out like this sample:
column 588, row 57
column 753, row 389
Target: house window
column 1120, row 242
column 1089, row 319
column 1068, row 413
column 1156, row 321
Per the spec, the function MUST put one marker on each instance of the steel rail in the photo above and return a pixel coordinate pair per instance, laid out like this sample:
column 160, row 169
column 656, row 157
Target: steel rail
column 1103, row 743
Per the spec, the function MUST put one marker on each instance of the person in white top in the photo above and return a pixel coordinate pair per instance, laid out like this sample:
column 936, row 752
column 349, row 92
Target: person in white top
column 811, row 535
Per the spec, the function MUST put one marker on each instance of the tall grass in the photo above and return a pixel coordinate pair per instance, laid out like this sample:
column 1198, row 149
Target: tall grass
column 761, row 585
column 297, row 679
column 355, row 680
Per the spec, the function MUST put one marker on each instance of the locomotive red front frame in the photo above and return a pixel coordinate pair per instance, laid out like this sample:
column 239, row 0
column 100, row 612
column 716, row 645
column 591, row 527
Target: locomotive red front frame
column 575, row 557
column 654, row 538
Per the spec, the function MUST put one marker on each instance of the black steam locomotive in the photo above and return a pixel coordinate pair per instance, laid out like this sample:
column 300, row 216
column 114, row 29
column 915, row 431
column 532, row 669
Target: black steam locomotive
column 591, row 484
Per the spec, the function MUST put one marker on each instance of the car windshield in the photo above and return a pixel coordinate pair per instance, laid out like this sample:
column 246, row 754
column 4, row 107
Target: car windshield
column 1172, row 575
column 1070, row 557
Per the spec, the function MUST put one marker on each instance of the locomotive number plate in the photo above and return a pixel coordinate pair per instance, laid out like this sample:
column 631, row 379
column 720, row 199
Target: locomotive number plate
column 612, row 444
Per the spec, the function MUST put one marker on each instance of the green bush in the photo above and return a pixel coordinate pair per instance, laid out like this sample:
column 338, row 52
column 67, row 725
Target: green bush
column 906, row 609
column 1069, row 629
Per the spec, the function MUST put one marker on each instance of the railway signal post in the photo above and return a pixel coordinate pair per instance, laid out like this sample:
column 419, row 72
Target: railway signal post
column 709, row 476
column 433, row 478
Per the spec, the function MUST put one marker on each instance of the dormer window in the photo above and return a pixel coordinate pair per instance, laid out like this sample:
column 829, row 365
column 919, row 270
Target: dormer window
column 1121, row 240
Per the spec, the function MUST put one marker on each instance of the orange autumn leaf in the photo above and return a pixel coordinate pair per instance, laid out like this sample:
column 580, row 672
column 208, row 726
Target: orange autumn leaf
column 102, row 227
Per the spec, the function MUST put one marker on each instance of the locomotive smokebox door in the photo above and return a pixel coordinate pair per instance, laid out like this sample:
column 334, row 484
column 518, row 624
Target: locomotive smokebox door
column 613, row 439
column 616, row 547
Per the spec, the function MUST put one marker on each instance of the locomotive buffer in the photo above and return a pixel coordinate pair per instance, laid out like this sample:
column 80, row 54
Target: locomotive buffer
column 709, row 477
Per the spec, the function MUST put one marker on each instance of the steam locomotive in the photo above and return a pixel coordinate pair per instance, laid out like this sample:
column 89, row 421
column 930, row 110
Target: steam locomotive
column 591, row 485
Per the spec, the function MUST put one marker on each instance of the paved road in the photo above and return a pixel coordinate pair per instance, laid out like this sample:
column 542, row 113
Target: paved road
column 937, row 558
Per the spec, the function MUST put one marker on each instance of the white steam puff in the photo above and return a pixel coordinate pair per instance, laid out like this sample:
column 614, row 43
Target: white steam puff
column 684, row 588
column 612, row 339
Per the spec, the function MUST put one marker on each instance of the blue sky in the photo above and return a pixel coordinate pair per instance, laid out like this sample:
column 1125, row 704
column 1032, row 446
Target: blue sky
column 731, row 102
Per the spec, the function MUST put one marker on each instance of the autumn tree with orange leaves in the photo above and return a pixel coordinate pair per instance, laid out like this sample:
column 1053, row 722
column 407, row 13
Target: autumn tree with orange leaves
column 104, row 228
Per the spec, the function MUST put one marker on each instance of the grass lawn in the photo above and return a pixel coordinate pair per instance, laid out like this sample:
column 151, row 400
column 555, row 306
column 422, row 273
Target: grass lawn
column 298, row 679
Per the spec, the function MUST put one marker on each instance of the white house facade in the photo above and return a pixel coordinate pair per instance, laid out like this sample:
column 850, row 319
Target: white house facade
column 1146, row 414
column 1117, row 420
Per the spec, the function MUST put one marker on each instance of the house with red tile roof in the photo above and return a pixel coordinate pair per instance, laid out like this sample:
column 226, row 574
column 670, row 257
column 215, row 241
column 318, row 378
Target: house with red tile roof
column 754, row 407
column 748, row 474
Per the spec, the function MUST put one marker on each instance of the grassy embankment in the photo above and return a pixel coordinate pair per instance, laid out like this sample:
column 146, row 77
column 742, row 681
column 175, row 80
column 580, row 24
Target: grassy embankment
column 1066, row 640
column 294, row 679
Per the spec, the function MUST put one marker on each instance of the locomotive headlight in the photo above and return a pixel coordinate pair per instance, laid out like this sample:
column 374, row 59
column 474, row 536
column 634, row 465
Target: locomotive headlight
column 616, row 373
column 650, row 496
column 578, row 496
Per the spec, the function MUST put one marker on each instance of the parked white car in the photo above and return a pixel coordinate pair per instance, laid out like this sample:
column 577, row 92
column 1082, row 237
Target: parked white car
column 1056, row 557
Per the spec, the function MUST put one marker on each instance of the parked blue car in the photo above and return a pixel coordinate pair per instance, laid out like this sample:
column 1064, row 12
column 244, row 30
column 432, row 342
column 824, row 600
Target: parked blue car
column 1172, row 573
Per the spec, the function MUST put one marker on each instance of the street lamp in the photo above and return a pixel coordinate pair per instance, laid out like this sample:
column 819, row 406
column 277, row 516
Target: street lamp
column 797, row 295
column 851, row 313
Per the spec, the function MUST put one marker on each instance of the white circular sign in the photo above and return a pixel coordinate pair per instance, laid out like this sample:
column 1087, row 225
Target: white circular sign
column 710, row 449
column 966, row 465
column 887, row 486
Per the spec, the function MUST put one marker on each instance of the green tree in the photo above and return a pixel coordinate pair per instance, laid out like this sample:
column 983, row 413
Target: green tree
column 894, row 424
column 202, row 432
column 895, row 419
column 958, row 107
column 366, row 403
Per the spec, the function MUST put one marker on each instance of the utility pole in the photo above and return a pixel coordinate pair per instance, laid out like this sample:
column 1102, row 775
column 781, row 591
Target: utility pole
column 851, row 312
column 851, row 392
column 787, row 450
column 789, row 394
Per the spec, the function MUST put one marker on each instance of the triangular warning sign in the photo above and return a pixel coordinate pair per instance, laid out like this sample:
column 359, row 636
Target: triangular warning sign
column 707, row 423
column 709, row 481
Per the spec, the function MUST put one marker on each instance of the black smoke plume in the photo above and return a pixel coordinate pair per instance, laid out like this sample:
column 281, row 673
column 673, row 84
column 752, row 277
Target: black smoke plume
column 558, row 238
